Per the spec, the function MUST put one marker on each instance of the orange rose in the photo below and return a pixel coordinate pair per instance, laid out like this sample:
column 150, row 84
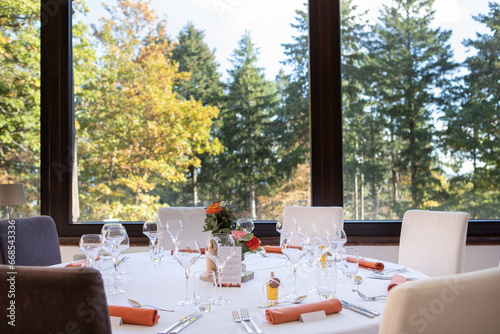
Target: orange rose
column 253, row 243
column 213, row 208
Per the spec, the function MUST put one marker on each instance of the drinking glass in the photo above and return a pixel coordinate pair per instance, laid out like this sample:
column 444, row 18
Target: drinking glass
column 293, row 248
column 113, row 237
column 174, row 227
column 152, row 230
column 285, row 227
column 326, row 280
column 349, row 262
column 90, row 244
column 204, row 290
column 246, row 224
column 186, row 252
column 220, row 248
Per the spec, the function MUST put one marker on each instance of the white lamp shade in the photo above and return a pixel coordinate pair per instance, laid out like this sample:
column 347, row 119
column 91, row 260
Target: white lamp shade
column 12, row 194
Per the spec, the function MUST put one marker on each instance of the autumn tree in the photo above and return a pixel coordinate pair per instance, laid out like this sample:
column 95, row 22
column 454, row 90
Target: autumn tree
column 135, row 134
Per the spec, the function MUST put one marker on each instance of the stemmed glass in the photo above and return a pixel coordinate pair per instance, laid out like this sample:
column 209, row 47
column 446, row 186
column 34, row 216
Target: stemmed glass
column 152, row 230
column 285, row 227
column 174, row 227
column 186, row 252
column 293, row 248
column 220, row 248
column 113, row 237
column 245, row 224
column 90, row 244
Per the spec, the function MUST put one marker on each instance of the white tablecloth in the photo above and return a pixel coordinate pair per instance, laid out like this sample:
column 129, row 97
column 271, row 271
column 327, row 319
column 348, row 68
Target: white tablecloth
column 164, row 285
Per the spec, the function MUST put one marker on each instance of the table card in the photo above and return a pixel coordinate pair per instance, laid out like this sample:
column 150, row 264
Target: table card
column 116, row 321
column 231, row 274
column 313, row 316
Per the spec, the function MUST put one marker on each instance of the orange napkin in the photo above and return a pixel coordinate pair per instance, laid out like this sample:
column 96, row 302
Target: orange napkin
column 135, row 316
column 273, row 249
column 286, row 314
column 367, row 264
column 80, row 263
column 396, row 280
column 202, row 251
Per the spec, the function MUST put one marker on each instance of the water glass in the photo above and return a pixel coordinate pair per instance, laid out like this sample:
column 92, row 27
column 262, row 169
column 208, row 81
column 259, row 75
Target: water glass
column 204, row 291
column 326, row 280
column 350, row 262
column 90, row 244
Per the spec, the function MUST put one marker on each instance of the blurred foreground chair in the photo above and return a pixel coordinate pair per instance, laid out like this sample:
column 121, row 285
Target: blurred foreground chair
column 321, row 215
column 459, row 304
column 193, row 219
column 433, row 242
column 54, row 300
column 36, row 241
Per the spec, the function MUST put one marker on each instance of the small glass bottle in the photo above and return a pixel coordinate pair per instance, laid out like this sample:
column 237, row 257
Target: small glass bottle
column 272, row 286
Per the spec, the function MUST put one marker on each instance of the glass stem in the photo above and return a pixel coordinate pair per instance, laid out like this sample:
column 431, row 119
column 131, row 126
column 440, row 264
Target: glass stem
column 294, row 278
column 219, row 283
column 186, row 272
column 115, row 270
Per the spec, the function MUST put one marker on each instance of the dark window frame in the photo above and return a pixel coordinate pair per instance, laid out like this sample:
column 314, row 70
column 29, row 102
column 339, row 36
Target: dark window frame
column 58, row 133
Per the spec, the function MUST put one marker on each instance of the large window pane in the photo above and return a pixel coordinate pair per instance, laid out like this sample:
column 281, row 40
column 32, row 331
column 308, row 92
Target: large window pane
column 421, row 107
column 20, row 100
column 195, row 102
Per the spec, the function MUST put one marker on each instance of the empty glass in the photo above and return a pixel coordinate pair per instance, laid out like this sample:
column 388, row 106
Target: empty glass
column 204, row 290
column 245, row 224
column 349, row 262
column 174, row 227
column 220, row 248
column 293, row 248
column 285, row 227
column 112, row 238
column 152, row 230
column 90, row 244
column 326, row 279
column 186, row 252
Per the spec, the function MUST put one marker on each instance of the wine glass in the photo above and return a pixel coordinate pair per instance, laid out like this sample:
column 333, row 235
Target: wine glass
column 90, row 244
column 220, row 248
column 286, row 226
column 153, row 231
column 174, row 227
column 293, row 248
column 350, row 262
column 186, row 252
column 113, row 237
column 245, row 224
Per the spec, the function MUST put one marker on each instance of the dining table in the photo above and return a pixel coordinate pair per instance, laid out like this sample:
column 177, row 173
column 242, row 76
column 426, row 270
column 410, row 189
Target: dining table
column 164, row 285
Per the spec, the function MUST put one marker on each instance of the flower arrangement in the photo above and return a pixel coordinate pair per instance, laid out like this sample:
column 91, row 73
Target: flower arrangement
column 221, row 218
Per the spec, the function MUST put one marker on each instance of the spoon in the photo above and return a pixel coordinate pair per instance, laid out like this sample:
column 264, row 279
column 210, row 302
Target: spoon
column 357, row 281
column 137, row 304
column 297, row 300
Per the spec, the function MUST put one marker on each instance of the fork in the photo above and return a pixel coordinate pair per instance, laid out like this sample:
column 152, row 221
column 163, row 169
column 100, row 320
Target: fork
column 246, row 317
column 236, row 318
column 370, row 298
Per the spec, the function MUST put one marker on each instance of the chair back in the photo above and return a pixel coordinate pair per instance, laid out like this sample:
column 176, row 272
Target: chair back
column 54, row 300
column 433, row 242
column 36, row 241
column 193, row 219
column 317, row 214
column 459, row 304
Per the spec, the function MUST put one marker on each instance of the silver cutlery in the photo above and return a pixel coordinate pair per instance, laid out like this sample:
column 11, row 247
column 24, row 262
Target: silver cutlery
column 365, row 297
column 357, row 310
column 137, row 304
column 388, row 278
column 357, row 281
column 297, row 300
column 375, row 313
column 186, row 323
column 178, row 323
column 237, row 319
column 387, row 271
column 246, row 317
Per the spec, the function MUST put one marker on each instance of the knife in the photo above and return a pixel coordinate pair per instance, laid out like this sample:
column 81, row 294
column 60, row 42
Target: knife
column 179, row 322
column 187, row 323
column 361, row 308
column 357, row 310
column 390, row 278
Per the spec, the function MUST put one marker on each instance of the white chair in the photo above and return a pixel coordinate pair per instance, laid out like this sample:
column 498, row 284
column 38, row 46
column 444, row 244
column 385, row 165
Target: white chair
column 459, row 304
column 193, row 219
column 317, row 214
column 433, row 242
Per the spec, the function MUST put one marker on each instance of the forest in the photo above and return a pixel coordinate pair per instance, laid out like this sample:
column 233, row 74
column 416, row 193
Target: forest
column 156, row 125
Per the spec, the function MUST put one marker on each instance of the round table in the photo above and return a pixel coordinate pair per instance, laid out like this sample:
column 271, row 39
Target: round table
column 164, row 285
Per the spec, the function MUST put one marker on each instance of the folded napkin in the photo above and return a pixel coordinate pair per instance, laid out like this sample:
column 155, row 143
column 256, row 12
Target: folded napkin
column 202, row 251
column 292, row 313
column 396, row 280
column 273, row 249
column 135, row 316
column 80, row 263
column 367, row 264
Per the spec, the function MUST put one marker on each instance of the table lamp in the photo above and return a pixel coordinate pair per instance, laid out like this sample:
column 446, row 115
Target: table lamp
column 10, row 196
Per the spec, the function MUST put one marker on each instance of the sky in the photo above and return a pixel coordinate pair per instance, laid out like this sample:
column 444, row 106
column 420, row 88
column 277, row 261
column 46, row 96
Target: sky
column 225, row 21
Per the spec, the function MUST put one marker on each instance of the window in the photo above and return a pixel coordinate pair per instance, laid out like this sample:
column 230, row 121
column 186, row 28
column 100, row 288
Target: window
column 327, row 179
